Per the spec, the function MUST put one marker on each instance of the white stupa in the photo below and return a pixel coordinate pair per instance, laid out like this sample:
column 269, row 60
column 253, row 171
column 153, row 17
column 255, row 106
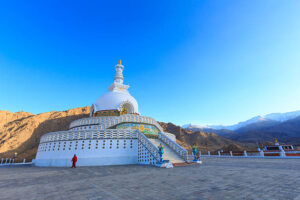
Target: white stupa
column 117, row 98
column 114, row 134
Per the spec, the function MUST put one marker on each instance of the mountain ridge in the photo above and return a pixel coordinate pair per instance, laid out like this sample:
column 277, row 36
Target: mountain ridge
column 279, row 117
column 285, row 129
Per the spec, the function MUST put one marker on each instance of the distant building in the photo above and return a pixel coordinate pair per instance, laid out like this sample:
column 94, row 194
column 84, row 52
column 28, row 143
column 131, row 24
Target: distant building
column 114, row 134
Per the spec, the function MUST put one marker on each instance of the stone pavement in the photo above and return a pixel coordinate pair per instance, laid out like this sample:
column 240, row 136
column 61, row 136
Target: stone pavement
column 216, row 178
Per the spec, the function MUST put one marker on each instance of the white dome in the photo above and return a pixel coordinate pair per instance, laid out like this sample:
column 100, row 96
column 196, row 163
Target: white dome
column 115, row 100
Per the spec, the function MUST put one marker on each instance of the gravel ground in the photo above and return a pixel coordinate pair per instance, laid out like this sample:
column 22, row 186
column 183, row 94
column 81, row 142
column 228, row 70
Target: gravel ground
column 216, row 178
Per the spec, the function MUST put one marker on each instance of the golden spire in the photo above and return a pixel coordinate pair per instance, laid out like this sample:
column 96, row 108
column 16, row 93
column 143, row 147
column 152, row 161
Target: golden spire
column 120, row 62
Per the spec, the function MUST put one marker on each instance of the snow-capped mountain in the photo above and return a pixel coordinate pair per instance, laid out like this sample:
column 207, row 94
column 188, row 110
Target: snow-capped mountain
column 281, row 117
column 276, row 117
column 187, row 126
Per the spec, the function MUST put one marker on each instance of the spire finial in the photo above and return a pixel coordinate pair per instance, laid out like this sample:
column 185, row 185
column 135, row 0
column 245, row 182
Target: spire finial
column 120, row 62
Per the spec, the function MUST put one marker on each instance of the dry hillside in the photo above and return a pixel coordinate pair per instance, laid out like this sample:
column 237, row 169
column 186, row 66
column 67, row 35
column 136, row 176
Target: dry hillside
column 204, row 141
column 21, row 132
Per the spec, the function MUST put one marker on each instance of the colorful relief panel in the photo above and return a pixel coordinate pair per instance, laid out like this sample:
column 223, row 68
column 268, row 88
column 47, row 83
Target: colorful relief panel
column 144, row 128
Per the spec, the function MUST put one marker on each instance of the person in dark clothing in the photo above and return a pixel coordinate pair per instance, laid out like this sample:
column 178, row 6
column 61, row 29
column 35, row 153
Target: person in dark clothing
column 74, row 160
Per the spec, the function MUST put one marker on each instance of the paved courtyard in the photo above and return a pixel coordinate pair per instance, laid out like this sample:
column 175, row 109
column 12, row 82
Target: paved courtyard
column 216, row 178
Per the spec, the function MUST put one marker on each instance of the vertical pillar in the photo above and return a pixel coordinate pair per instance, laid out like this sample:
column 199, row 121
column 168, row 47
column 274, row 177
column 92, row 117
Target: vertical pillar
column 195, row 153
column 9, row 161
column 208, row 153
column 24, row 160
column 161, row 152
column 282, row 153
column 261, row 153
column 1, row 161
column 230, row 153
column 245, row 153
column 199, row 153
column 13, row 160
column 219, row 153
column 6, row 160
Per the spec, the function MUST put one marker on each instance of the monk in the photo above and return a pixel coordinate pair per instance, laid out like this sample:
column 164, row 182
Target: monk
column 74, row 160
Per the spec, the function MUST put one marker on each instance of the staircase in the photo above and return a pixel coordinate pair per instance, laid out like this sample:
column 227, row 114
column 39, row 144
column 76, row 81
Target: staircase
column 169, row 154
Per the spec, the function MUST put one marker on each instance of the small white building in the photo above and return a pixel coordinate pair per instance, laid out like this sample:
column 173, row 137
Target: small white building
column 114, row 134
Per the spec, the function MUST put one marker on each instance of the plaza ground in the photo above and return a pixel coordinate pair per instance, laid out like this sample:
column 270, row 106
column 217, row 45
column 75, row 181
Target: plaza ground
column 216, row 178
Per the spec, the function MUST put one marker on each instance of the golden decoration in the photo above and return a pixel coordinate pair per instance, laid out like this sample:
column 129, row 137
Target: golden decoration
column 120, row 62
column 141, row 128
column 123, row 111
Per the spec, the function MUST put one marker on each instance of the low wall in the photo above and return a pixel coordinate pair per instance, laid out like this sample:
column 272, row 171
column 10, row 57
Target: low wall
column 254, row 154
column 89, row 152
column 91, row 161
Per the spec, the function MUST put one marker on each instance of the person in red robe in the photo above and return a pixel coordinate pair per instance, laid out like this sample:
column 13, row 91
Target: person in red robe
column 74, row 160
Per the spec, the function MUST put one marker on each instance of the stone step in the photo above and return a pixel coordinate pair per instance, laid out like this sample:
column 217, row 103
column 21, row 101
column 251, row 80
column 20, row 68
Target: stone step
column 169, row 154
column 181, row 164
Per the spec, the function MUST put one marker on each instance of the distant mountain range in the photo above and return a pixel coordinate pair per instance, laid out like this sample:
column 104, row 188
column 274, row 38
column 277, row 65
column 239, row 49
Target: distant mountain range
column 277, row 117
column 283, row 126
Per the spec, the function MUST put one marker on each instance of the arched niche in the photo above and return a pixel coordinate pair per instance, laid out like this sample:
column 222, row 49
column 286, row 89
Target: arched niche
column 126, row 108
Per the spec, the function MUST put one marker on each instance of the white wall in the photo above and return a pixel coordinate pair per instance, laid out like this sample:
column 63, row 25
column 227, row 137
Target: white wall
column 144, row 156
column 89, row 152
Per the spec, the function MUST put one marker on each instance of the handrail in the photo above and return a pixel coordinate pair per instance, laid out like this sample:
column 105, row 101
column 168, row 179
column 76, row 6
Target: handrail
column 21, row 163
column 255, row 154
column 153, row 150
column 108, row 122
column 292, row 150
column 189, row 158
column 88, row 134
column 131, row 118
column 182, row 152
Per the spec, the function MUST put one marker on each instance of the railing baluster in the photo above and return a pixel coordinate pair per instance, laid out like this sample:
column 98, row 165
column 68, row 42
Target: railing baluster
column 173, row 145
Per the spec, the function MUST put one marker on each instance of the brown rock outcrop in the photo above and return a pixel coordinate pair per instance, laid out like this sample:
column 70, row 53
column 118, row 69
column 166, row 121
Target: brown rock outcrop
column 204, row 141
column 21, row 132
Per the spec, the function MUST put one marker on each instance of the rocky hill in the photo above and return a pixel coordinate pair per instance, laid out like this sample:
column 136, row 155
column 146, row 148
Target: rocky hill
column 21, row 132
column 204, row 141
column 6, row 117
column 286, row 132
column 261, row 130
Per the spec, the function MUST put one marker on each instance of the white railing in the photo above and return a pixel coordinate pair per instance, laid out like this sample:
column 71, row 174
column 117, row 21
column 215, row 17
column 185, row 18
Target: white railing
column 108, row 122
column 131, row 118
column 292, row 152
column 182, row 152
column 254, row 154
column 89, row 134
column 189, row 158
column 11, row 161
column 90, row 127
column 153, row 150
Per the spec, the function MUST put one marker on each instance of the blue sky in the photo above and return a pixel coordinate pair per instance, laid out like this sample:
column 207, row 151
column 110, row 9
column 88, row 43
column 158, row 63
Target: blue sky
column 205, row 62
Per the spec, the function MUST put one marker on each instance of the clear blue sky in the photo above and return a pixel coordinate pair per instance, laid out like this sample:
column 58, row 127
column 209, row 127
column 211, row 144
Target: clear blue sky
column 205, row 62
